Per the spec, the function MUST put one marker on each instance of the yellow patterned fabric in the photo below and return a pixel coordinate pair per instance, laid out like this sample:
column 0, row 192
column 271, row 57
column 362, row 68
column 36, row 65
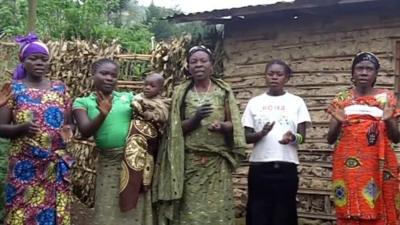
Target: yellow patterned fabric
column 141, row 147
column 135, row 152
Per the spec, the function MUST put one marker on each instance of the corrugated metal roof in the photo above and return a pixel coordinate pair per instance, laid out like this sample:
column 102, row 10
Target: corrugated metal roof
column 220, row 14
column 216, row 12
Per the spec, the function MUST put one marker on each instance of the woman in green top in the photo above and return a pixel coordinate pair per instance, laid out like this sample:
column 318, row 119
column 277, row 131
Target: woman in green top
column 203, row 143
column 106, row 115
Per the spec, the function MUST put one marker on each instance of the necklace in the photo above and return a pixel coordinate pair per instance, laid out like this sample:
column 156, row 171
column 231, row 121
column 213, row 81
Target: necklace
column 201, row 100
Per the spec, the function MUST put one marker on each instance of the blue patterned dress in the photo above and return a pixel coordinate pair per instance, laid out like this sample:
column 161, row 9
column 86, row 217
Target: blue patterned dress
column 37, row 184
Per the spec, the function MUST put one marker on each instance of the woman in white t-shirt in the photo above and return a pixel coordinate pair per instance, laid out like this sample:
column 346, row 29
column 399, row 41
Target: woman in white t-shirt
column 275, row 122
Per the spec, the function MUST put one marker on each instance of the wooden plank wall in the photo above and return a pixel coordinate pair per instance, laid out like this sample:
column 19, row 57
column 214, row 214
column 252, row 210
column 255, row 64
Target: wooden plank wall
column 319, row 49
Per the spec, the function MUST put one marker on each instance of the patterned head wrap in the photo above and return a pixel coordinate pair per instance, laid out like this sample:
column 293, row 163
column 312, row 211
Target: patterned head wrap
column 365, row 56
column 199, row 48
column 29, row 45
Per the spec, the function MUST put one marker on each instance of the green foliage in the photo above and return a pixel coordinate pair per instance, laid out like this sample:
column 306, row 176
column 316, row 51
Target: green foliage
column 135, row 38
column 11, row 21
column 160, row 27
column 133, row 70
column 3, row 171
column 77, row 19
column 97, row 20
column 164, row 30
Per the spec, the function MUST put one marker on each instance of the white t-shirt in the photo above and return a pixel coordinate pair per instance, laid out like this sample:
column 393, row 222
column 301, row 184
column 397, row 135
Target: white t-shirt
column 287, row 111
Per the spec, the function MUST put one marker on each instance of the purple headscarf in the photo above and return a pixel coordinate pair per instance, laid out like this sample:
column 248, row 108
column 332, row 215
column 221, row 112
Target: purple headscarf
column 29, row 45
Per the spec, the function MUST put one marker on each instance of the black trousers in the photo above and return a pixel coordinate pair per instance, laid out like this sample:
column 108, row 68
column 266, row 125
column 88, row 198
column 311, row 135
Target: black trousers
column 272, row 189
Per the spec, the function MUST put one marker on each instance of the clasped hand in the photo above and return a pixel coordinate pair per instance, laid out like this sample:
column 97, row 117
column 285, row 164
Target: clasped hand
column 202, row 112
column 104, row 103
column 287, row 138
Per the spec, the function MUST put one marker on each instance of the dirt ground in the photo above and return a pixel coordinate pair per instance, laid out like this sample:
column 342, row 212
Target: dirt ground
column 81, row 214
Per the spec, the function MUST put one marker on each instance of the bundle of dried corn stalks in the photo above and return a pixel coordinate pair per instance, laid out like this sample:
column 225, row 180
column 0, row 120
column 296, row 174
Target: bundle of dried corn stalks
column 83, row 175
column 72, row 60
column 170, row 58
column 8, row 60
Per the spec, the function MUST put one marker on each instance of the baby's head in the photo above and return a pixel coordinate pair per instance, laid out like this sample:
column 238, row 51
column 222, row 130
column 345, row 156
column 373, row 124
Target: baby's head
column 153, row 85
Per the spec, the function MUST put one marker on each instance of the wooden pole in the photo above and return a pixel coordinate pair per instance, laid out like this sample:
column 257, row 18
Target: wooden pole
column 32, row 8
column 397, row 70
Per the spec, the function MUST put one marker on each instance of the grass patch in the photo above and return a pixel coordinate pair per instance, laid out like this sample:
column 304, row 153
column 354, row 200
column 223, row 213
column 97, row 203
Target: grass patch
column 240, row 221
column 3, row 171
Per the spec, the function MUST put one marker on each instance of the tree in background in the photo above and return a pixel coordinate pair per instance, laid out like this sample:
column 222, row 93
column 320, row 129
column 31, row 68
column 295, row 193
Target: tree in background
column 114, row 9
column 164, row 29
column 11, row 21
column 155, row 20
column 133, row 25
column 32, row 7
column 133, row 13
column 77, row 19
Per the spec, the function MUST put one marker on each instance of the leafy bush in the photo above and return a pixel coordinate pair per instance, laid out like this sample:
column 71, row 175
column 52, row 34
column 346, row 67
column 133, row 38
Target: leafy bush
column 72, row 19
column 3, row 171
column 134, row 38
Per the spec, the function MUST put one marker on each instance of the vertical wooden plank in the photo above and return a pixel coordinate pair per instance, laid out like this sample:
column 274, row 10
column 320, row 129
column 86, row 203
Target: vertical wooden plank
column 397, row 69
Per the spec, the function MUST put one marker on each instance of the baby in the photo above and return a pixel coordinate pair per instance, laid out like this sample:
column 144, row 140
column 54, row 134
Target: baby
column 149, row 105
column 150, row 117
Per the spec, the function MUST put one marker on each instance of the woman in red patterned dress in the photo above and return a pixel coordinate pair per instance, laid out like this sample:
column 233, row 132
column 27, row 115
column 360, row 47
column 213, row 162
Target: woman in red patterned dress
column 37, row 184
column 364, row 126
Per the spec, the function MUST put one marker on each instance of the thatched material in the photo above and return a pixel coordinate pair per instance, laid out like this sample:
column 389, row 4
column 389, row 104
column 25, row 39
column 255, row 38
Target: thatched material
column 71, row 62
column 84, row 172
column 170, row 58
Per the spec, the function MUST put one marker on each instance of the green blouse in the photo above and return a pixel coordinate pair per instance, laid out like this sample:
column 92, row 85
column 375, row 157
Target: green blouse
column 201, row 139
column 115, row 127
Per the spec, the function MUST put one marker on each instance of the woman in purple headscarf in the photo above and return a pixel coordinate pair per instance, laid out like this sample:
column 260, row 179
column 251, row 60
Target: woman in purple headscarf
column 36, row 119
column 28, row 45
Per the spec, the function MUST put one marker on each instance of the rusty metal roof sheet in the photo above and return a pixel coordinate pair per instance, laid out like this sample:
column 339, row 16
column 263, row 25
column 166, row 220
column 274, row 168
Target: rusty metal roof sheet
column 220, row 14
